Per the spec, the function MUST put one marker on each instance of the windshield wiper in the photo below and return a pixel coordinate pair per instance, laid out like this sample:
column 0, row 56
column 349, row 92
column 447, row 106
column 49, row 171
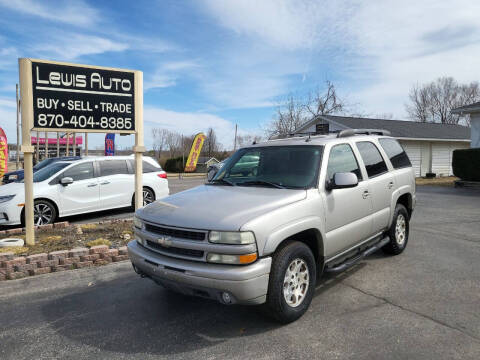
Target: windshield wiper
column 261, row 182
column 221, row 182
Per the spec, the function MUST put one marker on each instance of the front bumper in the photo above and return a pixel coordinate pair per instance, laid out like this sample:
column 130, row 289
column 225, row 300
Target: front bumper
column 10, row 213
column 244, row 284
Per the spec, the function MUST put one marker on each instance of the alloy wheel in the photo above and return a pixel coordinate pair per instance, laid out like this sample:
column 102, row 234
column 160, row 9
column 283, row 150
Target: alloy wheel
column 42, row 214
column 401, row 230
column 296, row 282
column 147, row 197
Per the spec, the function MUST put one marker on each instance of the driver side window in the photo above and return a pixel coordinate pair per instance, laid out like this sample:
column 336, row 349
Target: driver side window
column 342, row 160
column 80, row 172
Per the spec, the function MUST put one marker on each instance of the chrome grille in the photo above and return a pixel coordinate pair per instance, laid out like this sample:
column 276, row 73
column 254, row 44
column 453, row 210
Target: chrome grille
column 176, row 233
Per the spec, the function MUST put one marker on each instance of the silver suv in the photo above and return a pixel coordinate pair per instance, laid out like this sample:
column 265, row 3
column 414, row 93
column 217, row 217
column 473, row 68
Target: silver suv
column 277, row 216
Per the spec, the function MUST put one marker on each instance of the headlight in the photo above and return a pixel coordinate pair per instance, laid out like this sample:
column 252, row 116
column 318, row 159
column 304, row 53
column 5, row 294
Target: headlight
column 6, row 198
column 232, row 259
column 231, row 237
column 138, row 223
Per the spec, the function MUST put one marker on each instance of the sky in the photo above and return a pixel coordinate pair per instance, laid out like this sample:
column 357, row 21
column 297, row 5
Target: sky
column 217, row 63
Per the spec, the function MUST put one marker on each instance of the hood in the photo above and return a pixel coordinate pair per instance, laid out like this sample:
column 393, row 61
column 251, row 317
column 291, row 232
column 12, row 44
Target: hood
column 215, row 207
column 19, row 173
column 13, row 188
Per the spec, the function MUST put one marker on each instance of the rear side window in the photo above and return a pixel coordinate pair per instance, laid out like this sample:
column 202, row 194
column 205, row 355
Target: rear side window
column 147, row 167
column 398, row 157
column 80, row 172
column 372, row 159
column 342, row 160
column 113, row 167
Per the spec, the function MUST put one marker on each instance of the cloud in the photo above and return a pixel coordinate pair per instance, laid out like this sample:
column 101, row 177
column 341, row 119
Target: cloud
column 167, row 74
column 72, row 46
column 73, row 12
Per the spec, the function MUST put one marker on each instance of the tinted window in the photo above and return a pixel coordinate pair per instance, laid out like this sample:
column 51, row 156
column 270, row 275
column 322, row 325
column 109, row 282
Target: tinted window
column 147, row 167
column 294, row 167
column 395, row 152
column 342, row 160
column 113, row 167
column 48, row 171
column 80, row 172
column 371, row 157
column 43, row 164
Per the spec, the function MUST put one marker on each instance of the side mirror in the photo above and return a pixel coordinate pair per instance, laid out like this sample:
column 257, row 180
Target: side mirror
column 66, row 181
column 343, row 181
column 211, row 174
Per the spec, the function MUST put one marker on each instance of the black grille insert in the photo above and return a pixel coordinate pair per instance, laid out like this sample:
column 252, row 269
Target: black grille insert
column 177, row 233
column 175, row 250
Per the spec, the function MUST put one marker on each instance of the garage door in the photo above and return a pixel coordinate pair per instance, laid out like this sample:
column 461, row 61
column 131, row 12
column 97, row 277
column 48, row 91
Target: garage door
column 413, row 150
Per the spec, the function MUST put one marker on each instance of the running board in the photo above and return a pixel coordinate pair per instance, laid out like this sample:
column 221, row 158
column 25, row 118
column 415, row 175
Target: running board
column 352, row 261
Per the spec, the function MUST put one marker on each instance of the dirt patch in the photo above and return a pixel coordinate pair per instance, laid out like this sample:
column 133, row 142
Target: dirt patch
column 117, row 234
column 440, row 181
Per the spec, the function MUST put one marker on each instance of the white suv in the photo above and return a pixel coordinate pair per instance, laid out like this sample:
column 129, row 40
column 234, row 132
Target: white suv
column 78, row 187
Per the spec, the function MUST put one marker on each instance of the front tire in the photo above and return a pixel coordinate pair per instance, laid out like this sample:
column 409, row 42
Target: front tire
column 44, row 213
column 292, row 282
column 398, row 232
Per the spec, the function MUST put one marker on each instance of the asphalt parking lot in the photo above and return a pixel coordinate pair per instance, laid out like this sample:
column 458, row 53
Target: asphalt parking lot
column 423, row 304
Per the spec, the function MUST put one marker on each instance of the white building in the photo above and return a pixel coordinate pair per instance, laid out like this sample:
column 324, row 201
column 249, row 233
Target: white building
column 474, row 111
column 428, row 145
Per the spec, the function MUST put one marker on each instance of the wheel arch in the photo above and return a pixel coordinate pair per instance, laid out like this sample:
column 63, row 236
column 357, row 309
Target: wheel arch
column 307, row 231
column 53, row 202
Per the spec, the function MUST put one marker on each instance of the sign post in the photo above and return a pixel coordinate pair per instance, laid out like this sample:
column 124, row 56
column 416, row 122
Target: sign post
column 71, row 98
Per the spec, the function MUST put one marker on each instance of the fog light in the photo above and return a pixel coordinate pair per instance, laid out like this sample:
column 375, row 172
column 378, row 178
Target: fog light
column 226, row 298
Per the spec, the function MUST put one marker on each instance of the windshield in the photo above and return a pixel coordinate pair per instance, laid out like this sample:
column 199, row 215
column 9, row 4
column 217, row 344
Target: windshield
column 293, row 167
column 43, row 164
column 46, row 172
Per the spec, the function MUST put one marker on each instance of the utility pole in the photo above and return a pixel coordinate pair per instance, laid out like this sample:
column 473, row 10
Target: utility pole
column 235, row 142
column 17, row 158
column 86, row 144
column 74, row 147
column 68, row 144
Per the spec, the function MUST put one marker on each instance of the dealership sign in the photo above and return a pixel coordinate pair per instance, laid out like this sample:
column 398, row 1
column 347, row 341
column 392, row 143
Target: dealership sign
column 3, row 153
column 83, row 98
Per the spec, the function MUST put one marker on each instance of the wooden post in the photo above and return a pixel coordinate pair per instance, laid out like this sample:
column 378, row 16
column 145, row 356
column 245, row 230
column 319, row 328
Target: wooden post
column 68, row 144
column 139, row 147
column 17, row 158
column 74, row 147
column 86, row 144
column 27, row 148
column 37, row 155
column 46, row 145
column 58, row 144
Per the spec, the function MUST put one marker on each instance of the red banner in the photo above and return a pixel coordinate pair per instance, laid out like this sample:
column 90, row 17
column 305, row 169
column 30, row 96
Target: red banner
column 3, row 153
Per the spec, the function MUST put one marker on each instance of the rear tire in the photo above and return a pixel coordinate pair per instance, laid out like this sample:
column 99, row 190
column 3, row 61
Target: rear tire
column 398, row 232
column 292, row 282
column 148, row 197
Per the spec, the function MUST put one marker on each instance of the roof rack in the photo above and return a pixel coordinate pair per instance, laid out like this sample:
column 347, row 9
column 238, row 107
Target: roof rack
column 352, row 132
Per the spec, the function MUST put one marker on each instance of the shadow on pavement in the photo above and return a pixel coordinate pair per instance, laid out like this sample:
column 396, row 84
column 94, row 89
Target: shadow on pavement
column 130, row 316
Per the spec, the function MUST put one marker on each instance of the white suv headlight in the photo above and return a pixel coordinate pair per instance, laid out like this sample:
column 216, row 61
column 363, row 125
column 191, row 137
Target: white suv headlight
column 6, row 198
column 231, row 237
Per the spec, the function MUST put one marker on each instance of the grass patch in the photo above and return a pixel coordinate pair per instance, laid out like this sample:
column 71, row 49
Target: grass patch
column 17, row 250
column 99, row 242
column 112, row 234
column 438, row 181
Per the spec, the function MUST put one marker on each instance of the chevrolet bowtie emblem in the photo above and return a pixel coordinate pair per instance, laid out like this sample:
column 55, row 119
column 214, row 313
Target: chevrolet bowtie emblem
column 165, row 241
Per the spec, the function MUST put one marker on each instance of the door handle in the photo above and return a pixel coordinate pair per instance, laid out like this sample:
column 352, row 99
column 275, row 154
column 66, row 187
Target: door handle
column 105, row 183
column 390, row 184
column 92, row 185
column 365, row 194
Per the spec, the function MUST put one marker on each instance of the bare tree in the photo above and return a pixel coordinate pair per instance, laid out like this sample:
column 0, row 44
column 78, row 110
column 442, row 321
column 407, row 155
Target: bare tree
column 159, row 140
column 210, row 146
column 289, row 116
column 295, row 111
column 324, row 102
column 433, row 102
column 173, row 142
